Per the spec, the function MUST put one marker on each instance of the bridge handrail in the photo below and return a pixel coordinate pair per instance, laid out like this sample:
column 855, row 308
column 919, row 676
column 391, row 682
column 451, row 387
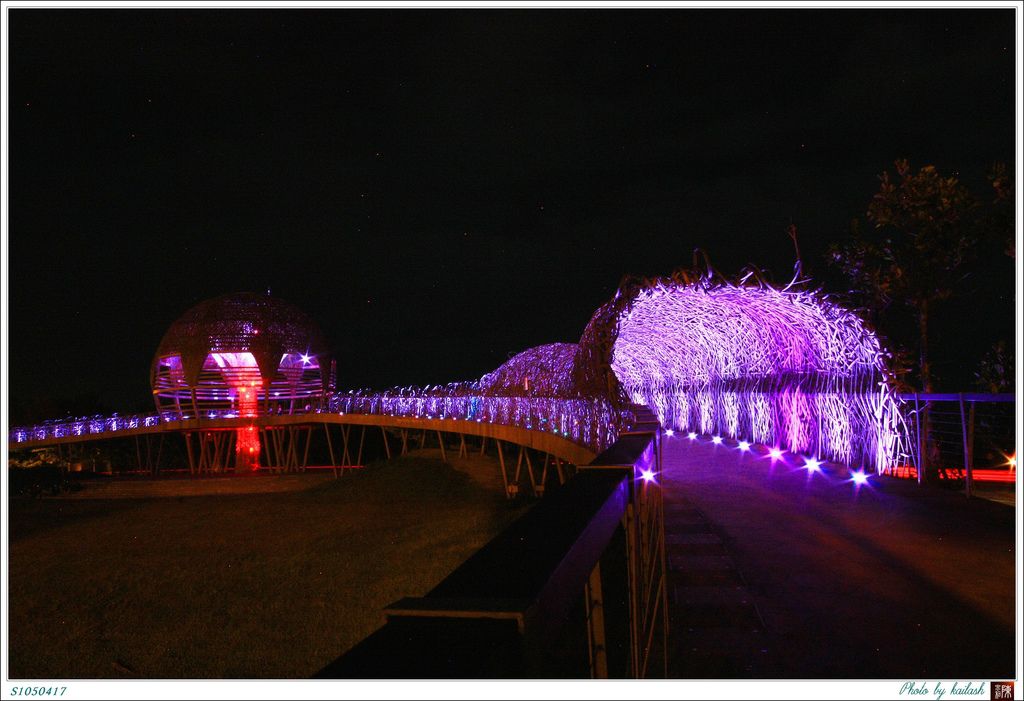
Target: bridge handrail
column 496, row 613
column 591, row 422
column 96, row 425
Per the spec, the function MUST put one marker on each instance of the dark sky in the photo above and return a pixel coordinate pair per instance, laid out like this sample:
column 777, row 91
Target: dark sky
column 442, row 188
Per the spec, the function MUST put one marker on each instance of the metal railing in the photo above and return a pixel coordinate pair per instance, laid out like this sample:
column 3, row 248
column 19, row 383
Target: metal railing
column 94, row 426
column 592, row 423
column 960, row 436
column 499, row 613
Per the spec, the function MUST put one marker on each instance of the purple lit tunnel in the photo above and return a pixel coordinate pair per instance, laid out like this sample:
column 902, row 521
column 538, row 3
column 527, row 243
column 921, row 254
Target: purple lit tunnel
column 786, row 368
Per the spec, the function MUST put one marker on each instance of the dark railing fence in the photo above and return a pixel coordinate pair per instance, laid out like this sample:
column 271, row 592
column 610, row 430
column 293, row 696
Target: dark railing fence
column 584, row 568
column 951, row 436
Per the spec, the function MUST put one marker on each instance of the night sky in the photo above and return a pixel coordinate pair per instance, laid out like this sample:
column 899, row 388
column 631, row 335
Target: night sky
column 440, row 189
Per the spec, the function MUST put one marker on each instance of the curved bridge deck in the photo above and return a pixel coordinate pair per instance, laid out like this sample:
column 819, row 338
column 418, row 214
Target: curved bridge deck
column 776, row 574
column 536, row 439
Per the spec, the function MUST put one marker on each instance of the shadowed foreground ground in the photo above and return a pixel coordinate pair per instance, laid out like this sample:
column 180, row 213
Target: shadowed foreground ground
column 774, row 575
column 253, row 585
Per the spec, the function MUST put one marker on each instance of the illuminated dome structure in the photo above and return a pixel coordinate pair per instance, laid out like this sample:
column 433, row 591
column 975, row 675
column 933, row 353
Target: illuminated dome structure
column 544, row 371
column 241, row 355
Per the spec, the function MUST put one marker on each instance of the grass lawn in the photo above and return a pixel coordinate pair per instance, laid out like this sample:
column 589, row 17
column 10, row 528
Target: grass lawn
column 237, row 586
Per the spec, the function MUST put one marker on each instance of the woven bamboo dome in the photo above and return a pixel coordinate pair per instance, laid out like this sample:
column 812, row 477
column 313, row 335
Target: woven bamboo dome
column 544, row 371
column 242, row 353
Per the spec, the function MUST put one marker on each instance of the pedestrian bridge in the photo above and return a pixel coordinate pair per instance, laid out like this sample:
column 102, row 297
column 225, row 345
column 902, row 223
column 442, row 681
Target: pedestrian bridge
column 784, row 367
column 737, row 361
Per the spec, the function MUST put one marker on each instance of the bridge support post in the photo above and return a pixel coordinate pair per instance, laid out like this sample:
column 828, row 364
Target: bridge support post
column 219, row 454
column 387, row 446
column 330, row 450
column 539, row 488
column 362, row 439
column 305, row 453
column 648, row 576
column 206, row 452
column 292, row 439
column 920, row 441
column 266, row 449
column 270, row 439
column 346, row 458
column 226, row 445
column 504, row 472
column 440, row 442
column 596, row 644
column 971, row 407
column 968, row 476
column 188, row 451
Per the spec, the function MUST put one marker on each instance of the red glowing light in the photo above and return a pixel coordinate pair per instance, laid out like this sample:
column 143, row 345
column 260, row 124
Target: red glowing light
column 247, row 444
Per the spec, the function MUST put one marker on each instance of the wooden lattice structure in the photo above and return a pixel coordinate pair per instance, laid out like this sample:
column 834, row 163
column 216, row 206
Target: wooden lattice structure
column 241, row 354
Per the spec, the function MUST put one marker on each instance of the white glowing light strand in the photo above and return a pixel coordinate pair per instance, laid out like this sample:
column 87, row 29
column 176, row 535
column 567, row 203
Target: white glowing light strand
column 780, row 367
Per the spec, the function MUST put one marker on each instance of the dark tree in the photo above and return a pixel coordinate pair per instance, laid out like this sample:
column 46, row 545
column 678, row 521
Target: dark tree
column 927, row 230
column 998, row 221
column 924, row 232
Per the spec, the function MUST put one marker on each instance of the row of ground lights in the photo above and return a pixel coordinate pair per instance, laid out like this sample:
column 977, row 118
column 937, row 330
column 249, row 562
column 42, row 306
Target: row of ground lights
column 811, row 464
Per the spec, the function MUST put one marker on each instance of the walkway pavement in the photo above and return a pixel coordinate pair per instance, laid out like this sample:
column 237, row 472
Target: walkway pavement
column 777, row 574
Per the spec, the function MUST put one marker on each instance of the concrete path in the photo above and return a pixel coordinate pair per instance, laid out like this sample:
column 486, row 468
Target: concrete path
column 777, row 574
